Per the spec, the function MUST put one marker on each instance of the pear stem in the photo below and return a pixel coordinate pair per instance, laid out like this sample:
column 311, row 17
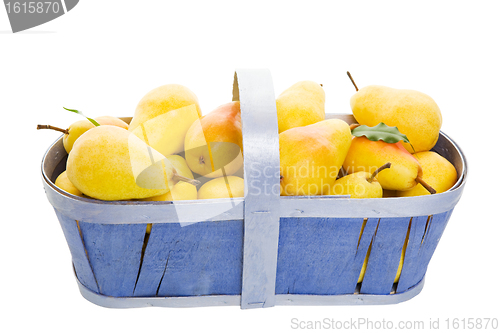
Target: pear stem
column 425, row 184
column 353, row 126
column 352, row 80
column 180, row 178
column 65, row 131
column 383, row 167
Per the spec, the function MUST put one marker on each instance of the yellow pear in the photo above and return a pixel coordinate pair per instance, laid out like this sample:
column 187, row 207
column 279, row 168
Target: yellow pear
column 180, row 165
column 359, row 185
column 214, row 144
column 363, row 269
column 311, row 156
column 401, row 259
column 64, row 184
column 366, row 155
column 180, row 190
column 79, row 127
column 110, row 163
column 163, row 117
column 415, row 114
column 222, row 187
column 300, row 105
column 437, row 171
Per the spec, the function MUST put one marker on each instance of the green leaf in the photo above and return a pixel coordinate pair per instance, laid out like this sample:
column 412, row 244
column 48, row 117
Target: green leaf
column 81, row 113
column 381, row 132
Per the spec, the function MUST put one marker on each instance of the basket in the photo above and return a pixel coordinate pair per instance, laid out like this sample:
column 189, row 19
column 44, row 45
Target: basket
column 258, row 251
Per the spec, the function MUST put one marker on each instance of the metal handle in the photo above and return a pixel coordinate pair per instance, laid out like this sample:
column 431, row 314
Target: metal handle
column 254, row 89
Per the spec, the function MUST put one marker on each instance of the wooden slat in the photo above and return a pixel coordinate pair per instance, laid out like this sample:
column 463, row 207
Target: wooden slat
column 161, row 241
column 385, row 255
column 435, row 230
column 114, row 252
column 82, row 266
column 200, row 259
column 315, row 254
column 353, row 269
column 411, row 263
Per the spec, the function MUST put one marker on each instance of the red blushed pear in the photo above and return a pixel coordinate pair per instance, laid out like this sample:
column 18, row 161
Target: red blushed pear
column 367, row 155
column 214, row 144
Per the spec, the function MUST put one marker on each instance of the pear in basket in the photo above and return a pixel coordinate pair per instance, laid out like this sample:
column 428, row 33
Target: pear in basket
column 437, row 171
column 214, row 144
column 179, row 190
column 367, row 155
column 414, row 113
column 311, row 156
column 372, row 147
column 359, row 185
column 79, row 127
column 300, row 105
column 64, row 184
column 163, row 117
column 110, row 163
column 222, row 187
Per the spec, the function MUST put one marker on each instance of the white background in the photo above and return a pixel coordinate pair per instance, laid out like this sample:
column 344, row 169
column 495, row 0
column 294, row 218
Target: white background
column 103, row 56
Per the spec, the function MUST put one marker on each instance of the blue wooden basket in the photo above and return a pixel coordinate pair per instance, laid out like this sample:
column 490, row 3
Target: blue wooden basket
column 258, row 251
